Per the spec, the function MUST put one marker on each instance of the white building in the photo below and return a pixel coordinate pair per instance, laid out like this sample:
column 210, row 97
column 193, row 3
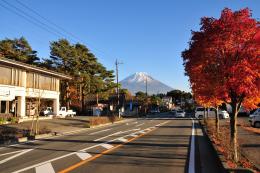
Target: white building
column 20, row 83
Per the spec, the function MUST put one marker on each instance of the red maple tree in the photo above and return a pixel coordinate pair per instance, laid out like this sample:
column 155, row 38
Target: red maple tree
column 223, row 63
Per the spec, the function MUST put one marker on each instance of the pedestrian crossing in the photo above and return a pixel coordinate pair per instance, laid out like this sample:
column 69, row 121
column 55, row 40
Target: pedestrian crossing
column 56, row 165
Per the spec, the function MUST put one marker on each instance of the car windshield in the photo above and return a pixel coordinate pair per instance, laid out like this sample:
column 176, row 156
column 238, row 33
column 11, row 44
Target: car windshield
column 200, row 109
column 180, row 111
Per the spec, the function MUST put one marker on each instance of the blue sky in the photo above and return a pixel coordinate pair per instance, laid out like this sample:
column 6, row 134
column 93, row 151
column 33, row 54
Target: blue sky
column 146, row 35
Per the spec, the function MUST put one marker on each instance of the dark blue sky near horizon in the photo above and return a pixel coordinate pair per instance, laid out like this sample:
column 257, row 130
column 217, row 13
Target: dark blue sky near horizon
column 146, row 35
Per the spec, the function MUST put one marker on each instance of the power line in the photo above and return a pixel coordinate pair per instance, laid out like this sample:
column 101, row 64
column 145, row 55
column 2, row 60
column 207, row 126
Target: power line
column 28, row 19
column 49, row 28
column 47, row 20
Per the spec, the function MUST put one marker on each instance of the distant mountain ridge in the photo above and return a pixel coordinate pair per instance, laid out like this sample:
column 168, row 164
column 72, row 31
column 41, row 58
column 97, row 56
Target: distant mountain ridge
column 137, row 82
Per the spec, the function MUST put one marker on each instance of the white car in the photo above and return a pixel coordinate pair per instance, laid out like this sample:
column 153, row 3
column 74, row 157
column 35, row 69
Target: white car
column 48, row 111
column 64, row 112
column 199, row 113
column 254, row 118
column 180, row 114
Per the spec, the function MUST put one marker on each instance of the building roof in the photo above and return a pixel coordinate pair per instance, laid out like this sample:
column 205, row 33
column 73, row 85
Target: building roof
column 28, row 67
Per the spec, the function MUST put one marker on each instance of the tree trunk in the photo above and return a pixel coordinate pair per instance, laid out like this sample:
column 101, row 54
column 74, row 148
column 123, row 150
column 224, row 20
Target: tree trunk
column 217, row 121
column 82, row 102
column 233, row 131
column 204, row 116
column 97, row 99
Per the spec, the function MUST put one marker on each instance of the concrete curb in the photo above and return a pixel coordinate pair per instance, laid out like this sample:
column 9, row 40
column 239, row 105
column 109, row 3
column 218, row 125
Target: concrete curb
column 222, row 158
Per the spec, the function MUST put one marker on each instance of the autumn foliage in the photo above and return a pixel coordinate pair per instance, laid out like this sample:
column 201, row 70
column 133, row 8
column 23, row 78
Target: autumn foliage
column 223, row 63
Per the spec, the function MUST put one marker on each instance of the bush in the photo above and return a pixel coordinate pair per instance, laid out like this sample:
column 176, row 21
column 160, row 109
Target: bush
column 94, row 121
column 2, row 120
column 12, row 119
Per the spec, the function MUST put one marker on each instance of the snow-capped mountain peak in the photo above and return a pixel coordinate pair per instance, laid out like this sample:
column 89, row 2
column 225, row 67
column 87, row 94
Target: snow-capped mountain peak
column 137, row 82
column 140, row 77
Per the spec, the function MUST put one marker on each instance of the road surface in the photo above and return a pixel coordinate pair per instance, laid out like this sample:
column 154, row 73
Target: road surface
column 157, row 144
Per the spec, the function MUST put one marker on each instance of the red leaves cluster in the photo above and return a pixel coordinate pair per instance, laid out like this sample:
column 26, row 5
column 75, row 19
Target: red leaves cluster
column 223, row 59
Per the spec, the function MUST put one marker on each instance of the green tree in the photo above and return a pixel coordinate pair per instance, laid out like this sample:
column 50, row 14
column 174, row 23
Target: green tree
column 18, row 49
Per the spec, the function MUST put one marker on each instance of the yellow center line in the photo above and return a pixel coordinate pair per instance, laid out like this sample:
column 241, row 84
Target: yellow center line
column 101, row 154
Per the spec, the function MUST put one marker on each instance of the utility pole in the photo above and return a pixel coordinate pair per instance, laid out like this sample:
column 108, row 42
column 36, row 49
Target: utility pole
column 146, row 87
column 146, row 93
column 117, row 84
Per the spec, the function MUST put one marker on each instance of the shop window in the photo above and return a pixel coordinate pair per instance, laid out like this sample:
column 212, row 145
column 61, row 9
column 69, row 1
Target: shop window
column 6, row 75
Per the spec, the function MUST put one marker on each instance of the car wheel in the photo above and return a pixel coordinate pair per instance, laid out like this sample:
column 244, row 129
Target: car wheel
column 257, row 124
column 200, row 116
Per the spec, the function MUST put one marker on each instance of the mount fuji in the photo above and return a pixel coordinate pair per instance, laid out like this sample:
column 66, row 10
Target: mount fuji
column 137, row 82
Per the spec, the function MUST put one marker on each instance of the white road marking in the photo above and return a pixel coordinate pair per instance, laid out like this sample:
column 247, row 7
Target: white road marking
column 99, row 131
column 139, row 124
column 83, row 155
column 107, row 146
column 117, row 133
column 133, row 135
column 99, row 139
column 66, row 155
column 134, row 122
column 142, row 132
column 16, row 155
column 45, row 168
column 19, row 151
column 122, row 139
column 192, row 150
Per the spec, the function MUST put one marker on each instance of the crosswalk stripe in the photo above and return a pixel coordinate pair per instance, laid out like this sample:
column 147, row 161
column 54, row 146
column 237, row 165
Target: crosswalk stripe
column 107, row 146
column 45, row 168
column 133, row 135
column 83, row 155
column 122, row 139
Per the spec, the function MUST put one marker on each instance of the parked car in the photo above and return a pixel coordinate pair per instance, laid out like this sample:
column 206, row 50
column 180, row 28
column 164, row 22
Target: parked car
column 254, row 118
column 180, row 114
column 47, row 111
column 199, row 113
column 154, row 111
column 173, row 112
column 64, row 112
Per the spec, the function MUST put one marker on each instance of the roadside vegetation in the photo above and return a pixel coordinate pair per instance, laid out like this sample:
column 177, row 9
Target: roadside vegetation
column 222, row 63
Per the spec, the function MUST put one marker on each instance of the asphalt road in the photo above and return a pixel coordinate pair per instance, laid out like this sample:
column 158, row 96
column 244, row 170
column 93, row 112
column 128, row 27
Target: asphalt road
column 156, row 144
